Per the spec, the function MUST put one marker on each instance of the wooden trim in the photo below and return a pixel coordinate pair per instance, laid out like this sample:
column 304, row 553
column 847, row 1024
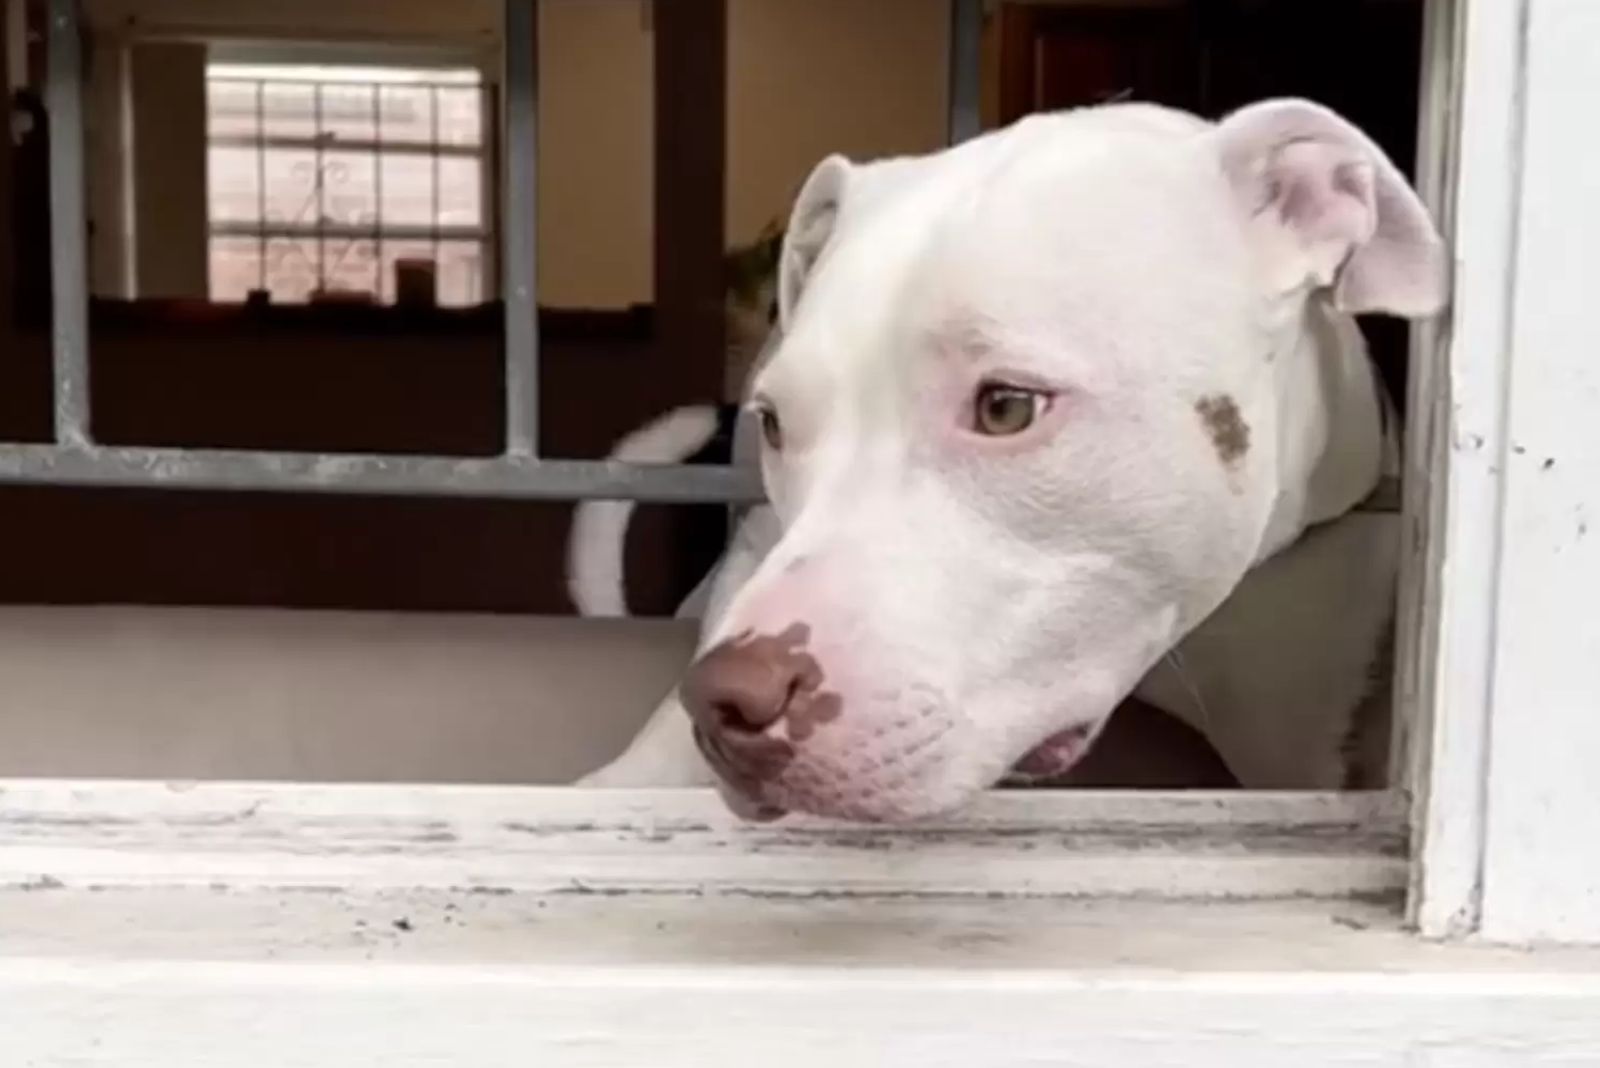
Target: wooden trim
column 1022, row 25
column 560, row 840
column 691, row 64
column 7, row 183
column 1018, row 61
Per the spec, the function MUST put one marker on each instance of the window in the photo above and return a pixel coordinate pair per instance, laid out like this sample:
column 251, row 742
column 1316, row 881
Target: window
column 154, row 918
column 338, row 180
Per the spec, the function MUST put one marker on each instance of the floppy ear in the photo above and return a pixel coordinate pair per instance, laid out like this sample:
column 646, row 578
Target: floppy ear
column 811, row 223
column 1330, row 209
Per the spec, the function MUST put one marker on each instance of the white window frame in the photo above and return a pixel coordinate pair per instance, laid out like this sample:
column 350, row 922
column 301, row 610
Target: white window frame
column 144, row 921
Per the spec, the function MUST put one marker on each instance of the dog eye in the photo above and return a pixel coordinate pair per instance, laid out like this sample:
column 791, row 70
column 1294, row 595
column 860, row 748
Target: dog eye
column 771, row 429
column 1001, row 411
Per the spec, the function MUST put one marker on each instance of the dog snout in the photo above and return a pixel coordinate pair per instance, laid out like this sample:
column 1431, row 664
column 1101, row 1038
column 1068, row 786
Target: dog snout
column 751, row 698
column 741, row 687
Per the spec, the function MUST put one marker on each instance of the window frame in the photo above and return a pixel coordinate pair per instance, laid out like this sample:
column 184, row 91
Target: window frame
column 1196, row 929
column 1495, row 846
column 1505, row 803
column 486, row 153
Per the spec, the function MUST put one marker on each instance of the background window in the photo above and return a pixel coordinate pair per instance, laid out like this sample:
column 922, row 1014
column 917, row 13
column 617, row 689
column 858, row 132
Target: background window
column 328, row 181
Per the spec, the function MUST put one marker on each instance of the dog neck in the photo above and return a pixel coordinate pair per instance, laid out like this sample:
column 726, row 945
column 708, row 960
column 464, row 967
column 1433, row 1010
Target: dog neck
column 1334, row 436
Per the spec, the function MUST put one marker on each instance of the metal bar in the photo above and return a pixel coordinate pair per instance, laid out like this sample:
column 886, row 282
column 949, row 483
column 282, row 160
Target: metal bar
column 341, row 82
column 519, row 247
column 367, row 474
column 966, row 57
column 400, row 232
column 69, row 244
column 357, row 474
column 345, row 144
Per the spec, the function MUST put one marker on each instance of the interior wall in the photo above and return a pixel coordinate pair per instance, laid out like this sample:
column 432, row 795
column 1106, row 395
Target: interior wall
column 167, row 81
column 325, row 696
column 413, row 21
column 15, row 60
column 108, row 130
column 595, row 171
column 596, row 154
column 884, row 92
column 810, row 77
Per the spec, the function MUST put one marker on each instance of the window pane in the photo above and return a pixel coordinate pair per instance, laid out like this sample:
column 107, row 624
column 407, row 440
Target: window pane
column 351, row 265
column 393, row 251
column 233, row 181
column 289, row 109
column 292, row 268
column 460, row 191
column 291, row 195
column 460, row 273
column 407, row 189
column 349, row 112
column 231, row 108
column 407, row 114
column 235, row 268
column 349, row 188
column 460, row 116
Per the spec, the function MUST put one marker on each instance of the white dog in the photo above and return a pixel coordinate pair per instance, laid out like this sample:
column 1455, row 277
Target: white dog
column 1037, row 406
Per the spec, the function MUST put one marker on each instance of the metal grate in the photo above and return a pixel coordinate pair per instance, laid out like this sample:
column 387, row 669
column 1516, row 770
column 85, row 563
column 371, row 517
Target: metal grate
column 75, row 459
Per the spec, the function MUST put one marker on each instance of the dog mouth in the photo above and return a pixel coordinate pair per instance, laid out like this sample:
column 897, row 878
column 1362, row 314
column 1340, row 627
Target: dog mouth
column 1051, row 758
column 1045, row 763
column 740, row 792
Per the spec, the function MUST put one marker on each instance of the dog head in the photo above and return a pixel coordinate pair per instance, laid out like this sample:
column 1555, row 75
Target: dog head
column 1020, row 430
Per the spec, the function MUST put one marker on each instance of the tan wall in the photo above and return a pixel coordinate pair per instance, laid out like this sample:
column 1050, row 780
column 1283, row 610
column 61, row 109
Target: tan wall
column 14, row 62
column 810, row 77
column 806, row 77
column 169, row 165
column 596, row 168
column 108, row 133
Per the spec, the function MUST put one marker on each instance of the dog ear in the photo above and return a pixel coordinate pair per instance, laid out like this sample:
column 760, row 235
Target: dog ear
column 811, row 223
column 1331, row 210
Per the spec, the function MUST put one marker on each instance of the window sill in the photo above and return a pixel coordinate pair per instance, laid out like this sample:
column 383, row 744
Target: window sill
column 147, row 977
column 1010, row 845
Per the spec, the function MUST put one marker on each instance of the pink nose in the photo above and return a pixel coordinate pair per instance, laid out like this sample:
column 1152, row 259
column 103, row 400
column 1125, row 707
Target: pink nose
column 739, row 691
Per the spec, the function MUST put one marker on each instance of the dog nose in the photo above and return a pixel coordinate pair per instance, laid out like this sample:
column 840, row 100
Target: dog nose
column 738, row 690
column 743, row 686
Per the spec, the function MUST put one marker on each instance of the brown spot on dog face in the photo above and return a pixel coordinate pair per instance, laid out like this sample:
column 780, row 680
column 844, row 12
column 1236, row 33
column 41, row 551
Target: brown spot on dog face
column 1230, row 434
column 809, row 710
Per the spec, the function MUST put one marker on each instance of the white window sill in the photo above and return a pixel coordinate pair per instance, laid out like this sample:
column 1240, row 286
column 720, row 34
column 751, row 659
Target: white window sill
column 141, row 978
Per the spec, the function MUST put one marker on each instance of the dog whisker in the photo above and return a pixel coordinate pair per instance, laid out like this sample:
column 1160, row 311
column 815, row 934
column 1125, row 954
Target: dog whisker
column 1175, row 658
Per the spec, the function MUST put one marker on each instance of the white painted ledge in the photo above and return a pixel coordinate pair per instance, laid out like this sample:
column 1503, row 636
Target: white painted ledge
column 424, row 979
column 146, row 925
column 551, row 840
